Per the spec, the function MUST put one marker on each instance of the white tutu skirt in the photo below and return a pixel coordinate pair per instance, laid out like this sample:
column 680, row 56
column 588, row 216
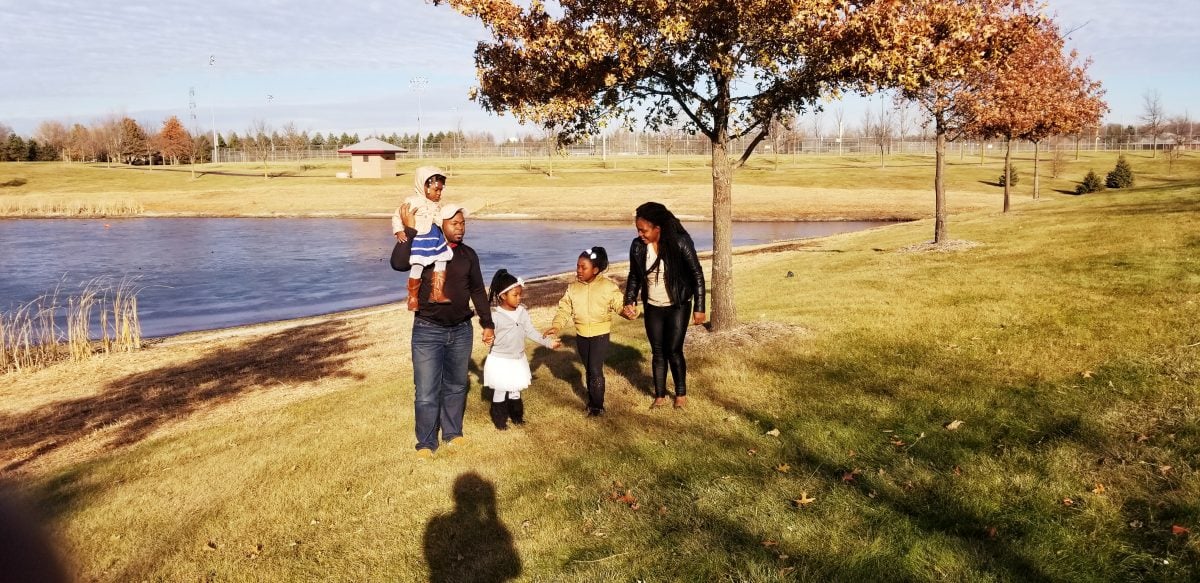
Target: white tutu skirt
column 506, row 374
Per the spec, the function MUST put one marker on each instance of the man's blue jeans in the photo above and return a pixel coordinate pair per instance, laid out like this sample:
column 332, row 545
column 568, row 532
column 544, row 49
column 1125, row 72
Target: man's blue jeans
column 440, row 356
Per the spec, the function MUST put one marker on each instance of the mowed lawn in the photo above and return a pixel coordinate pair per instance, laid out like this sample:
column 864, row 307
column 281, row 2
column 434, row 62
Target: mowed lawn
column 807, row 187
column 1022, row 406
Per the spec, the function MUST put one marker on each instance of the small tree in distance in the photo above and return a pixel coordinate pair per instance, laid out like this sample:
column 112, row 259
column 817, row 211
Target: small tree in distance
column 1121, row 176
column 1091, row 183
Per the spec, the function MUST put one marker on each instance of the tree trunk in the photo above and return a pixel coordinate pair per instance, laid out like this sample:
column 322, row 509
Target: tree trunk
column 1036, row 193
column 1007, row 170
column 939, row 186
column 723, row 310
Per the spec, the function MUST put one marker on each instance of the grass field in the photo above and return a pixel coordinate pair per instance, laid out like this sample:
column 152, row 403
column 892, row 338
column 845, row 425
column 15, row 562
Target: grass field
column 1024, row 407
column 806, row 187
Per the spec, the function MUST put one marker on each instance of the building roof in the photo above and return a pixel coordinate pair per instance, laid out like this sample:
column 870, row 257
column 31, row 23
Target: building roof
column 372, row 146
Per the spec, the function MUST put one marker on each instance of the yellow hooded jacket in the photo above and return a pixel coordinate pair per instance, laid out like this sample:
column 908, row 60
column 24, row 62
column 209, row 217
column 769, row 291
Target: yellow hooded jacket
column 591, row 304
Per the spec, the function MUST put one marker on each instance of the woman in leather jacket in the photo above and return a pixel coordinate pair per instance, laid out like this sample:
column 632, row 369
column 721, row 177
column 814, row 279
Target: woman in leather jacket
column 665, row 274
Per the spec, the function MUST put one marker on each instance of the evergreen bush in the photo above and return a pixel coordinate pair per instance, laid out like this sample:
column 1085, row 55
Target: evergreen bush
column 1121, row 176
column 1091, row 183
column 1013, row 173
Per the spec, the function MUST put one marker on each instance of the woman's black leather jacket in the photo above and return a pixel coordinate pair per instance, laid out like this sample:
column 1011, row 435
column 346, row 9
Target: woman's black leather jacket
column 684, row 282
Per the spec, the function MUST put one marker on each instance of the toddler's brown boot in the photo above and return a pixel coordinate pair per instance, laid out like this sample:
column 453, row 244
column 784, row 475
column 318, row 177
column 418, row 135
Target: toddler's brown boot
column 414, row 287
column 437, row 293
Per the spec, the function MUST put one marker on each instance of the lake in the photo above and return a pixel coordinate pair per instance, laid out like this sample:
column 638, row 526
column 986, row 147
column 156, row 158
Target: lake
column 198, row 274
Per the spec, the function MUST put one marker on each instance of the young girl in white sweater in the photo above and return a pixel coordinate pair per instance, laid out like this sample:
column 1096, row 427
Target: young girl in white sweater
column 506, row 370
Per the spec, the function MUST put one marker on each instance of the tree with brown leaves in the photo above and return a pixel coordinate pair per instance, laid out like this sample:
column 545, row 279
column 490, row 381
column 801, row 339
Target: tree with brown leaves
column 725, row 69
column 1039, row 92
column 933, row 52
column 173, row 140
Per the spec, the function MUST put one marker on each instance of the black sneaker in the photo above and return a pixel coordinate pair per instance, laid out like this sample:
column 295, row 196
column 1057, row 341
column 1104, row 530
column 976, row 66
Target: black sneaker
column 595, row 412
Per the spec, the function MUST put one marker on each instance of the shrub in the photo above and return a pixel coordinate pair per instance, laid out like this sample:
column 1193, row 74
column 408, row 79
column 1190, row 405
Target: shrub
column 1013, row 173
column 1121, row 176
column 1091, row 183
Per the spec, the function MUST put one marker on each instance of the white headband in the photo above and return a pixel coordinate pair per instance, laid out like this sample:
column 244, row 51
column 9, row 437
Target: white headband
column 515, row 284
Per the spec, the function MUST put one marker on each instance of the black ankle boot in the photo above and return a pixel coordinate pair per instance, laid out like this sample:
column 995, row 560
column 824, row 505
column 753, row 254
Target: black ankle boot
column 516, row 410
column 499, row 413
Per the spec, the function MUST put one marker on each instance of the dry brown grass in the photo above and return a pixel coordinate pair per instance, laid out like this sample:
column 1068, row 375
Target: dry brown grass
column 30, row 337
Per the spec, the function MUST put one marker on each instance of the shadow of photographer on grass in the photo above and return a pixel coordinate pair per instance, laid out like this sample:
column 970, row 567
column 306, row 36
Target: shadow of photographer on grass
column 471, row 543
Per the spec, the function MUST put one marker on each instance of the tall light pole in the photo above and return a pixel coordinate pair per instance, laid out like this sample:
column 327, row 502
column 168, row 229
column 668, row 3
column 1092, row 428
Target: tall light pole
column 270, row 98
column 212, row 63
column 418, row 84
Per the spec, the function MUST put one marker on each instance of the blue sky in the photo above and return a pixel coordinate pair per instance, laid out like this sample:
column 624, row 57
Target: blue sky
column 349, row 66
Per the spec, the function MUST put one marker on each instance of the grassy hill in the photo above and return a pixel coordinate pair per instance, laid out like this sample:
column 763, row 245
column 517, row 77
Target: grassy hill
column 1021, row 405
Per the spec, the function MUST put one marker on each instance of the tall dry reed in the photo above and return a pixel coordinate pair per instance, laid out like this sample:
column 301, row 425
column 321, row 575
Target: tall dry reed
column 72, row 208
column 30, row 337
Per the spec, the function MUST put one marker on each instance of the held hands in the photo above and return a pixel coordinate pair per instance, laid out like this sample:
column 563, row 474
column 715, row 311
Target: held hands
column 629, row 312
column 556, row 343
column 697, row 318
column 489, row 336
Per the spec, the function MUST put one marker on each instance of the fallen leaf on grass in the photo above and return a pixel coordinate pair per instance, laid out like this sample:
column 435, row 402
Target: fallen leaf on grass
column 783, row 468
column 849, row 476
column 770, row 543
column 773, row 433
column 752, row 452
column 1136, row 524
column 803, row 500
column 211, row 546
column 1179, row 530
column 1164, row 470
column 990, row 532
column 954, row 424
column 898, row 442
column 1141, row 437
column 635, row 506
column 1099, row 489
column 627, row 498
column 1087, row 374
column 662, row 510
column 957, row 471
column 1068, row 502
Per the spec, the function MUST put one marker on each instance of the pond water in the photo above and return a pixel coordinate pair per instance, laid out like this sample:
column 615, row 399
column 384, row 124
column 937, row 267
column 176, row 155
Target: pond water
column 197, row 274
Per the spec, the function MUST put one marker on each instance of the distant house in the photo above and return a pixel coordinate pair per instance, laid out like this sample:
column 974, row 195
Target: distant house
column 372, row 158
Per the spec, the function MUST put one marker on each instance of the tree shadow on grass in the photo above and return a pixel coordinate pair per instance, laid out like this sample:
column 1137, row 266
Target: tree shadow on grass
column 1020, row 419
column 136, row 405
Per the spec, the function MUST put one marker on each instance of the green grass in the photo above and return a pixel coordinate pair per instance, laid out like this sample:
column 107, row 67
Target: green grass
column 1065, row 342
column 821, row 187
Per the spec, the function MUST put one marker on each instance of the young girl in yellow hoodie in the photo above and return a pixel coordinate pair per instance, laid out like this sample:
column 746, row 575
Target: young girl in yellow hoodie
column 590, row 301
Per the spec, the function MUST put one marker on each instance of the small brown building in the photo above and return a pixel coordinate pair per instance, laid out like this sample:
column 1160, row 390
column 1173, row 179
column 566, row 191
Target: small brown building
column 372, row 158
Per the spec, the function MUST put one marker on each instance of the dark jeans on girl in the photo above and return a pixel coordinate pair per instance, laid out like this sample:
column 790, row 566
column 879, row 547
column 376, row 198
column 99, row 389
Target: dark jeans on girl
column 592, row 351
column 665, row 329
